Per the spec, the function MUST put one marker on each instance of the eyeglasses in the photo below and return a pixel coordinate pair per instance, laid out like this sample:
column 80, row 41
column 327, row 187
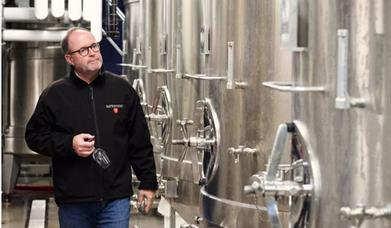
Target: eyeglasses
column 84, row 51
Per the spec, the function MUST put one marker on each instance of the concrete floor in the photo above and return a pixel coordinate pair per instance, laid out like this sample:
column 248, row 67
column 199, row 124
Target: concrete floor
column 16, row 208
column 15, row 213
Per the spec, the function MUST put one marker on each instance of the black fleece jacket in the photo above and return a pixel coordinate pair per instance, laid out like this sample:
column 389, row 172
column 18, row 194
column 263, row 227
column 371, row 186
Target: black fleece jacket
column 108, row 108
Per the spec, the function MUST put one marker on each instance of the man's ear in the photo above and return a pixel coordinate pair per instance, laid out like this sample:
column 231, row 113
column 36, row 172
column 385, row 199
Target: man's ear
column 69, row 59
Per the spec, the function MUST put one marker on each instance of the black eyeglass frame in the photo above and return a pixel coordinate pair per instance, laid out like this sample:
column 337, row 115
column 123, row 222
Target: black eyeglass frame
column 87, row 49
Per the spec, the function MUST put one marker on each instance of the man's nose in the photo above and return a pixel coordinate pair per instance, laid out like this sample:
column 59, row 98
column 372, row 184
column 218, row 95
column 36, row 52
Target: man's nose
column 91, row 52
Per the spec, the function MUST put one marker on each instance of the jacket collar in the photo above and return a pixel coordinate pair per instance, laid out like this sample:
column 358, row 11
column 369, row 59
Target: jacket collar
column 75, row 79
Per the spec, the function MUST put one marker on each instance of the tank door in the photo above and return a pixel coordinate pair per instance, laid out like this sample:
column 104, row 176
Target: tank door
column 205, row 142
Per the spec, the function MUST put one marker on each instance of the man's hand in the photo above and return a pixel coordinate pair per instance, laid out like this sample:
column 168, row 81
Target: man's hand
column 83, row 144
column 145, row 198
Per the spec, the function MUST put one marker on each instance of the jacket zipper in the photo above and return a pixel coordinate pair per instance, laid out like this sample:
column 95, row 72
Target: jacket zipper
column 97, row 139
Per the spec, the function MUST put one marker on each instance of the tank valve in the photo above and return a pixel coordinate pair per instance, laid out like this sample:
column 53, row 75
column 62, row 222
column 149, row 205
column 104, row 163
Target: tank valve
column 358, row 214
column 236, row 152
column 276, row 187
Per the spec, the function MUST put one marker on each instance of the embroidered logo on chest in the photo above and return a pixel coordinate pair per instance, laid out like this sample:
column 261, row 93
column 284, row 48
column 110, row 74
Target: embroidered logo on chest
column 116, row 108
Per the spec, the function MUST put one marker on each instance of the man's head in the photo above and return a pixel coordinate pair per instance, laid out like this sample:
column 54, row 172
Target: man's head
column 82, row 51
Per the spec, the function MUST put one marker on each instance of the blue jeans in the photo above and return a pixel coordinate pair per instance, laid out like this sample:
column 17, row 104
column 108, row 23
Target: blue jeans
column 106, row 214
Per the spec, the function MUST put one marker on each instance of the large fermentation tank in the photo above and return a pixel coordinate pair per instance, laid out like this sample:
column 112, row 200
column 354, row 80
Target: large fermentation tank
column 152, row 60
column 133, row 21
column 142, row 40
column 342, row 110
column 167, row 52
column 182, row 182
column 30, row 68
column 349, row 46
column 245, row 49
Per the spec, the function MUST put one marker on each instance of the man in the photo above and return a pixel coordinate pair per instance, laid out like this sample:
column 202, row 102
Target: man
column 74, row 116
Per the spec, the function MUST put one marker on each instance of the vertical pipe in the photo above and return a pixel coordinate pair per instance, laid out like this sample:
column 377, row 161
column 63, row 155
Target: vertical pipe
column 342, row 100
column 96, row 20
column 58, row 8
column 88, row 8
column 41, row 9
column 379, row 16
column 230, row 68
column 74, row 9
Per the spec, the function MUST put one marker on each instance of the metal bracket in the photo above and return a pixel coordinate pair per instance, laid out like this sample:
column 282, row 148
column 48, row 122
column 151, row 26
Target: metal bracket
column 343, row 99
column 203, row 77
column 291, row 87
column 231, row 83
column 136, row 54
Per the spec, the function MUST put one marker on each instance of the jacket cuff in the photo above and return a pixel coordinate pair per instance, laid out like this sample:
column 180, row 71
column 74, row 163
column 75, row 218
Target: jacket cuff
column 148, row 185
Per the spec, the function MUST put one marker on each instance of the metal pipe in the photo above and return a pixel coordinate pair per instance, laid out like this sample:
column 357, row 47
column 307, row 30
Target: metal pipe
column 27, row 14
column 203, row 77
column 19, row 14
column 120, row 14
column 277, row 151
column 357, row 215
column 113, row 44
column 96, row 20
column 88, row 10
column 290, row 87
column 58, row 8
column 74, row 9
column 32, row 35
column 41, row 9
column 230, row 68
column 342, row 101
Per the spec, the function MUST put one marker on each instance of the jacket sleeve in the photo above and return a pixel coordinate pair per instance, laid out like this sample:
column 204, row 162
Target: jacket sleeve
column 140, row 147
column 43, row 137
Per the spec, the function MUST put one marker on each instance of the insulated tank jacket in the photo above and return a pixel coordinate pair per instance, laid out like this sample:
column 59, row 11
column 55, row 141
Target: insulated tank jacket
column 107, row 108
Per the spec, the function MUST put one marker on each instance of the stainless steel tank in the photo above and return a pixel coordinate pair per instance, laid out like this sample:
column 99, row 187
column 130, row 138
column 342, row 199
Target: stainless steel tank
column 340, row 113
column 245, row 50
column 142, row 35
column 31, row 67
column 182, row 163
column 349, row 46
column 153, row 60
column 132, row 33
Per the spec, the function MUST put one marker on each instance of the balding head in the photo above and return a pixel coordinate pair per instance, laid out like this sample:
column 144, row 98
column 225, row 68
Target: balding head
column 65, row 40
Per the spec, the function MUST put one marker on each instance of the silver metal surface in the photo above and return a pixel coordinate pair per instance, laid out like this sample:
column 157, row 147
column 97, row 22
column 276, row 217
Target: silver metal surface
column 183, row 54
column 352, row 144
column 244, row 47
column 359, row 214
column 343, row 100
column 133, row 36
column 290, row 87
column 329, row 56
column 32, row 66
